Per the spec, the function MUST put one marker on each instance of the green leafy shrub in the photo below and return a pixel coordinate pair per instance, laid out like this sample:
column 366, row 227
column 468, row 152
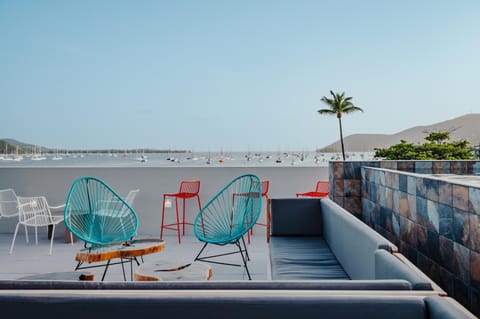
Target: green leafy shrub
column 437, row 147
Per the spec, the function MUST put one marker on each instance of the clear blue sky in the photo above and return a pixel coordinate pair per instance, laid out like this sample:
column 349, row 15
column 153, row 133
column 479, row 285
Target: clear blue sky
column 237, row 75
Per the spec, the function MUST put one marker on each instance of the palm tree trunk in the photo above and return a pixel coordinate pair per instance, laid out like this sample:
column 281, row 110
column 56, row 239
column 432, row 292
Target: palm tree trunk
column 339, row 116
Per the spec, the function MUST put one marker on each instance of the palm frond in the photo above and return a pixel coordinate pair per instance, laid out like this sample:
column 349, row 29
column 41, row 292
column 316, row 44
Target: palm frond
column 352, row 108
column 327, row 111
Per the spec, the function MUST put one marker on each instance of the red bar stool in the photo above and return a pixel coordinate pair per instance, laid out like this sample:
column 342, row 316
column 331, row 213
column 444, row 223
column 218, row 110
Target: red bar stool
column 265, row 186
column 188, row 189
column 321, row 190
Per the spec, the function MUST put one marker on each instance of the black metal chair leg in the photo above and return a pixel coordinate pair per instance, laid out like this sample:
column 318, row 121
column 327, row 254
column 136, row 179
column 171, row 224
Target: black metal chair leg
column 239, row 245
column 106, row 268
column 246, row 251
column 201, row 250
column 123, row 270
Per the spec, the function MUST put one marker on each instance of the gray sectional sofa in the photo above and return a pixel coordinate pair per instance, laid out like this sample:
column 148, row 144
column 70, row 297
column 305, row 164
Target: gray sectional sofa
column 316, row 239
column 324, row 263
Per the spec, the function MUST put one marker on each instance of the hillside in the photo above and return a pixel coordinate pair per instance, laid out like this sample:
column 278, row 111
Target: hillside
column 466, row 127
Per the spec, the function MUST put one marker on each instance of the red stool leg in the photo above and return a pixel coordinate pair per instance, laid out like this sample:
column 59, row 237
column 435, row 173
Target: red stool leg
column 183, row 220
column 199, row 205
column 163, row 218
column 178, row 220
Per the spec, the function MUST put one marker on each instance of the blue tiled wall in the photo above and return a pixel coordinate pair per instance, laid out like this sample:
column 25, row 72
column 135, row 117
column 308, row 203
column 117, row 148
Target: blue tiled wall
column 435, row 223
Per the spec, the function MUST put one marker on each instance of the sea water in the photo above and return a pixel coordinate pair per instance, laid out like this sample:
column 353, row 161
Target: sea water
column 231, row 159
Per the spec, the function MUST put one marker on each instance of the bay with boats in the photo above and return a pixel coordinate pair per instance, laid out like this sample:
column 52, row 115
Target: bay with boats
column 178, row 158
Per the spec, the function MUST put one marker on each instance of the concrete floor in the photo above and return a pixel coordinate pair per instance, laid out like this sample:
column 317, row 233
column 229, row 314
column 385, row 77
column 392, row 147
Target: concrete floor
column 30, row 259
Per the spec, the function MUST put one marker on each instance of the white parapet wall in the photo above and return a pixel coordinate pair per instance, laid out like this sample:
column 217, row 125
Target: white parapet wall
column 54, row 183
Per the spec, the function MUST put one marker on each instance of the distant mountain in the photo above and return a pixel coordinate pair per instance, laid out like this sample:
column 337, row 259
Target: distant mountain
column 10, row 145
column 466, row 127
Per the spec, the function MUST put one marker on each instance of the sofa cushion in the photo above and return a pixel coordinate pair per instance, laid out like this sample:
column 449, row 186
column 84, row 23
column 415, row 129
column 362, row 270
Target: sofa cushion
column 303, row 258
column 296, row 217
column 387, row 266
column 351, row 240
column 211, row 304
column 446, row 308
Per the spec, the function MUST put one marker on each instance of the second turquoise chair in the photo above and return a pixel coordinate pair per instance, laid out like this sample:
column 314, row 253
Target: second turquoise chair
column 228, row 216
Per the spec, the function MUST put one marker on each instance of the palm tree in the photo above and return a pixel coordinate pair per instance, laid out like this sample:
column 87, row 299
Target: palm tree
column 339, row 104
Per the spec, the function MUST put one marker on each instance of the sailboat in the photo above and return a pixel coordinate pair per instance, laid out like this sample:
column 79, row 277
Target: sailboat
column 7, row 157
column 17, row 156
column 143, row 157
column 38, row 156
column 57, row 157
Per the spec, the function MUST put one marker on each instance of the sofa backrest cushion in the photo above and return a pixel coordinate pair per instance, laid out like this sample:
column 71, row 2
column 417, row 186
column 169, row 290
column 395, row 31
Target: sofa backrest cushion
column 212, row 305
column 351, row 241
column 296, row 217
column 387, row 266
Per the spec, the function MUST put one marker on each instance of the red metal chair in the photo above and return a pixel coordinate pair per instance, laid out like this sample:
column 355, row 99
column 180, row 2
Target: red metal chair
column 265, row 186
column 188, row 189
column 321, row 190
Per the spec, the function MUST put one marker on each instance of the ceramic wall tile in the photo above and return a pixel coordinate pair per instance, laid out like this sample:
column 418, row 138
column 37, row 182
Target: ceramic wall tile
column 412, row 203
column 461, row 227
column 460, row 197
column 461, row 262
column 475, row 270
column 388, row 198
column 474, row 233
column 445, row 193
column 352, row 188
column 406, row 166
column 402, row 182
column 446, row 220
column 446, row 252
column 431, row 187
column 338, row 188
column 337, row 170
column 353, row 205
column 474, row 200
column 412, row 185
column 423, row 167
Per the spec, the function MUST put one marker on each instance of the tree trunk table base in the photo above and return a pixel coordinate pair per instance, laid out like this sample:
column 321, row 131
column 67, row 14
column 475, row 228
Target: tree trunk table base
column 173, row 271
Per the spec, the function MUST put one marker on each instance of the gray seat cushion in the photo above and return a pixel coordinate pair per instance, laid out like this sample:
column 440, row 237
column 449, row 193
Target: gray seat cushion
column 303, row 258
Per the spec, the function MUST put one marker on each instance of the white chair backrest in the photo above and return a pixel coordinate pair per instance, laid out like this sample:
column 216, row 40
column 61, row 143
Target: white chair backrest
column 8, row 203
column 131, row 196
column 34, row 211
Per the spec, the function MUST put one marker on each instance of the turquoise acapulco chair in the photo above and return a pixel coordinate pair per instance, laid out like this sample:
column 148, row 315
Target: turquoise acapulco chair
column 96, row 214
column 228, row 216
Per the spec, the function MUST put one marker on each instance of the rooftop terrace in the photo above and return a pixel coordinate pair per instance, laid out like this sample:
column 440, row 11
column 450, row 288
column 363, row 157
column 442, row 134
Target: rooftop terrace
column 29, row 259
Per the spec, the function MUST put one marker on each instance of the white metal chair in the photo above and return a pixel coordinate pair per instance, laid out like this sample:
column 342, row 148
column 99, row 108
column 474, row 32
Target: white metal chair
column 131, row 196
column 35, row 212
column 8, row 203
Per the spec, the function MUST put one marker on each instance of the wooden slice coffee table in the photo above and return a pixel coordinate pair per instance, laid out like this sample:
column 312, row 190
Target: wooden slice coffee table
column 126, row 252
column 173, row 271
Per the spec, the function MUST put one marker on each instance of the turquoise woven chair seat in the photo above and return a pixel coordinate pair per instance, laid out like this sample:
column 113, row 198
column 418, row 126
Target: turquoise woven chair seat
column 229, row 215
column 96, row 214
